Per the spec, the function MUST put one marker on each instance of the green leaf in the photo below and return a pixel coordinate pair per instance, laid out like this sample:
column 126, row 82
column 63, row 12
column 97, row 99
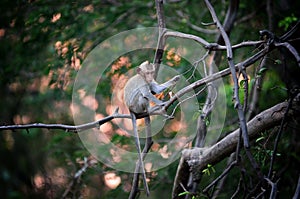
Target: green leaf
column 183, row 20
column 184, row 193
column 196, row 115
column 261, row 71
column 207, row 122
column 242, row 83
column 287, row 21
column 259, row 139
column 277, row 61
column 207, row 170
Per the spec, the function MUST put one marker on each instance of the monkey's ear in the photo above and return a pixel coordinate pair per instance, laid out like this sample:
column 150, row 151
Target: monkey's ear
column 138, row 70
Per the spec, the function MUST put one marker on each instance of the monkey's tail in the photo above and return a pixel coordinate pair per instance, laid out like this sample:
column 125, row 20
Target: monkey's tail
column 140, row 164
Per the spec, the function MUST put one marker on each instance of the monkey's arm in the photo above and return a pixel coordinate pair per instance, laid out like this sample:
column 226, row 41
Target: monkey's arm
column 158, row 88
column 148, row 95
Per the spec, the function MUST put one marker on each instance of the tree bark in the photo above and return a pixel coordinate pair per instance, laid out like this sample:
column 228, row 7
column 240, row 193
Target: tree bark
column 217, row 152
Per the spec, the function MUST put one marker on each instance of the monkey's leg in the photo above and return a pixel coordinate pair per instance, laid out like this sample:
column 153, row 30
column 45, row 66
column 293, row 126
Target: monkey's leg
column 149, row 142
column 140, row 163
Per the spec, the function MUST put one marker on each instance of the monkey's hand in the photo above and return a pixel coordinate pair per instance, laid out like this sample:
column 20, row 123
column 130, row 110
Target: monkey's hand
column 159, row 110
column 160, row 105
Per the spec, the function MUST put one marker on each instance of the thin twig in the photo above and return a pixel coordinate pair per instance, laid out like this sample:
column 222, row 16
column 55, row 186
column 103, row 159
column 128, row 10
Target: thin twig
column 217, row 75
column 233, row 73
column 256, row 89
column 274, row 188
column 66, row 128
column 297, row 191
column 237, row 105
column 278, row 136
column 88, row 162
column 211, row 155
column 207, row 45
column 224, row 173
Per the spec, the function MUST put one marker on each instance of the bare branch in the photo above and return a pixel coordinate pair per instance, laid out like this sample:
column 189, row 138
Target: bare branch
column 194, row 27
column 200, row 139
column 274, row 188
column 291, row 32
column 161, row 28
column 88, row 162
column 297, row 191
column 225, row 172
column 237, row 105
column 96, row 124
column 256, row 89
column 218, row 75
column 230, row 18
column 291, row 49
column 217, row 152
column 203, row 42
column 67, row 128
column 207, row 45
column 283, row 121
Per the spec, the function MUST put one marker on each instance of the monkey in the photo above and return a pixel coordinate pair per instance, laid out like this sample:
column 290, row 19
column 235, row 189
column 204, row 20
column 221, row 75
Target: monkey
column 138, row 92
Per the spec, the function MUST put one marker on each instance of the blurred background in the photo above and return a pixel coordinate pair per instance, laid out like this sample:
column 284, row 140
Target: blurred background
column 42, row 46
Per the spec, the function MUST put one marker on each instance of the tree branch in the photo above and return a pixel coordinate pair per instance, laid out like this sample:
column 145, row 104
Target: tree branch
column 207, row 45
column 217, row 75
column 217, row 152
column 161, row 30
column 236, row 98
column 96, row 124
column 67, row 128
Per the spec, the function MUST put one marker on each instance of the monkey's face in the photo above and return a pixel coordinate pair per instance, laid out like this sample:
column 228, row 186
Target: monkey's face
column 148, row 76
column 147, row 71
